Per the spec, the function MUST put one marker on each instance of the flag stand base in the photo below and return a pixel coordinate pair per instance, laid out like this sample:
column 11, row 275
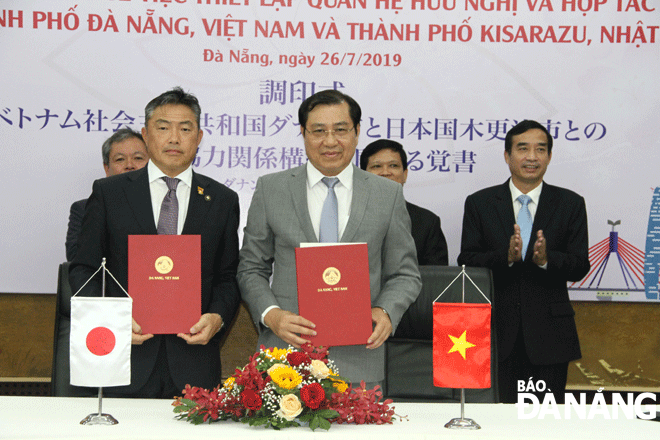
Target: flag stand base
column 99, row 419
column 462, row 424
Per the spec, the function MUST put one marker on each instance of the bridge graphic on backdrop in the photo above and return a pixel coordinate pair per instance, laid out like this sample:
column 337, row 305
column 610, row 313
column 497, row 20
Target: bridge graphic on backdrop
column 640, row 270
column 619, row 255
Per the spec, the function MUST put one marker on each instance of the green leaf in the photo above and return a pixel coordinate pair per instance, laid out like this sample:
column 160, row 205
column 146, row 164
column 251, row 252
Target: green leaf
column 327, row 413
column 261, row 412
column 314, row 423
column 197, row 420
column 188, row 402
column 277, row 424
column 324, row 424
column 256, row 421
column 306, row 417
column 283, row 391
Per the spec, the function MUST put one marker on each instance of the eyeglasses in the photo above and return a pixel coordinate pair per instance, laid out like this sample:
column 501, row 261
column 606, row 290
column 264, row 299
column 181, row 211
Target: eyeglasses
column 339, row 133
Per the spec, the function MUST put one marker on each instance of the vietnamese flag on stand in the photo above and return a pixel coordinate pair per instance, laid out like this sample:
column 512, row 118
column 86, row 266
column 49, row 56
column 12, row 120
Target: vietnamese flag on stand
column 461, row 345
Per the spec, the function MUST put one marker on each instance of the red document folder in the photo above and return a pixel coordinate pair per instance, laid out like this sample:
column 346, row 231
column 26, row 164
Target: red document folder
column 334, row 293
column 165, row 282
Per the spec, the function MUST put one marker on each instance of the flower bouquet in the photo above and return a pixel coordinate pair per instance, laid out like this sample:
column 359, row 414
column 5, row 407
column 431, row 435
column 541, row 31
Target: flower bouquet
column 279, row 388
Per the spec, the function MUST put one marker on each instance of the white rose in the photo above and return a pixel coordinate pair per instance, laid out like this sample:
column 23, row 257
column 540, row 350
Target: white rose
column 274, row 367
column 319, row 369
column 290, row 407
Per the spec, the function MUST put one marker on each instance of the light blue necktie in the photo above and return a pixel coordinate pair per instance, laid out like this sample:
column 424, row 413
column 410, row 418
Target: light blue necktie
column 328, row 232
column 169, row 209
column 525, row 222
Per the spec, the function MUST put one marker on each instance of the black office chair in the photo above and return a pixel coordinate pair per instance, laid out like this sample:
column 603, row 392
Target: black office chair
column 60, row 375
column 409, row 353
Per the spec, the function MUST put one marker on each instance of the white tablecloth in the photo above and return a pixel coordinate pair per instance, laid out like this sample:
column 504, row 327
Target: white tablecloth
column 59, row 418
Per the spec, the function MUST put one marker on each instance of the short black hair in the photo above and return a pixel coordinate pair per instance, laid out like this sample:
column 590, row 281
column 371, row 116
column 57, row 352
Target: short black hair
column 176, row 96
column 329, row 97
column 382, row 144
column 521, row 128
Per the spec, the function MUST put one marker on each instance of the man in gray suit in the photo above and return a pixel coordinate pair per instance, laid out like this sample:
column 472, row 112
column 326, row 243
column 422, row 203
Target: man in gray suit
column 286, row 211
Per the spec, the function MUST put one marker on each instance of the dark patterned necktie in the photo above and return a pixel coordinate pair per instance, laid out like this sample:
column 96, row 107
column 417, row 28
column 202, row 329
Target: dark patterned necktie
column 169, row 210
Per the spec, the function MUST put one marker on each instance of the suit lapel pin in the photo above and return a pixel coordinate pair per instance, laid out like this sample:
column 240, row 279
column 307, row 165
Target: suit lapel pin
column 200, row 190
column 207, row 198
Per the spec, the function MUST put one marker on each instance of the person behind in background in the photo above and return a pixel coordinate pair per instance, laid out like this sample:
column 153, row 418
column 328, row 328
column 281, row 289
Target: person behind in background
column 287, row 210
column 387, row 158
column 123, row 151
column 533, row 236
column 142, row 202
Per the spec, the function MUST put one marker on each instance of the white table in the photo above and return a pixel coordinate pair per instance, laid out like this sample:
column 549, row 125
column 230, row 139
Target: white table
column 59, row 418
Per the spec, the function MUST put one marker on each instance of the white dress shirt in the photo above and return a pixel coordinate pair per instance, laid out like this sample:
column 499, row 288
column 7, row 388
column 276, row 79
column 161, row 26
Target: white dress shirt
column 534, row 194
column 317, row 191
column 158, row 189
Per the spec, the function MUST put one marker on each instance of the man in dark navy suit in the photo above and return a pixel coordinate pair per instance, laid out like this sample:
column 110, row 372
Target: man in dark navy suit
column 122, row 152
column 387, row 158
column 130, row 203
column 534, row 238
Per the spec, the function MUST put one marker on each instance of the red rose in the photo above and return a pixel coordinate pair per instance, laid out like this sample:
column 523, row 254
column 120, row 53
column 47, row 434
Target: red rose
column 251, row 399
column 312, row 395
column 297, row 358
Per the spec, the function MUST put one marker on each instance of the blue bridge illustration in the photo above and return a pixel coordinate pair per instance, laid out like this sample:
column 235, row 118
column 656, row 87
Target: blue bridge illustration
column 640, row 270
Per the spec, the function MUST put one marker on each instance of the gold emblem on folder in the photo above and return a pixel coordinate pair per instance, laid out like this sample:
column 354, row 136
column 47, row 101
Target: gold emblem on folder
column 331, row 276
column 164, row 264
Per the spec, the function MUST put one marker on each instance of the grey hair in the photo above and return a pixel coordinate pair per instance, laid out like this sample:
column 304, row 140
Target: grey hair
column 118, row 136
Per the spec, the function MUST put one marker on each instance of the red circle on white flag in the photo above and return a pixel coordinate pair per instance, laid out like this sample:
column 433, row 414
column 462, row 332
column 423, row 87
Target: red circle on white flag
column 100, row 341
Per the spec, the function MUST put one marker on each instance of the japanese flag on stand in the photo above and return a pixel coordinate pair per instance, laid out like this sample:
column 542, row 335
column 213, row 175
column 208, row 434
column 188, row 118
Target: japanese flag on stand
column 100, row 341
column 461, row 345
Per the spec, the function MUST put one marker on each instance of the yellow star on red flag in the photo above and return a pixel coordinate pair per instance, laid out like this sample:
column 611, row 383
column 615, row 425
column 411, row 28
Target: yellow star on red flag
column 460, row 344
column 449, row 370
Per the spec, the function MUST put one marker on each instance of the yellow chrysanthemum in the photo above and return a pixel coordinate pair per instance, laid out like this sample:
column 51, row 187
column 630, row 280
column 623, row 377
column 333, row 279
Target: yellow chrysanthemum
column 339, row 385
column 277, row 353
column 286, row 377
column 229, row 383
